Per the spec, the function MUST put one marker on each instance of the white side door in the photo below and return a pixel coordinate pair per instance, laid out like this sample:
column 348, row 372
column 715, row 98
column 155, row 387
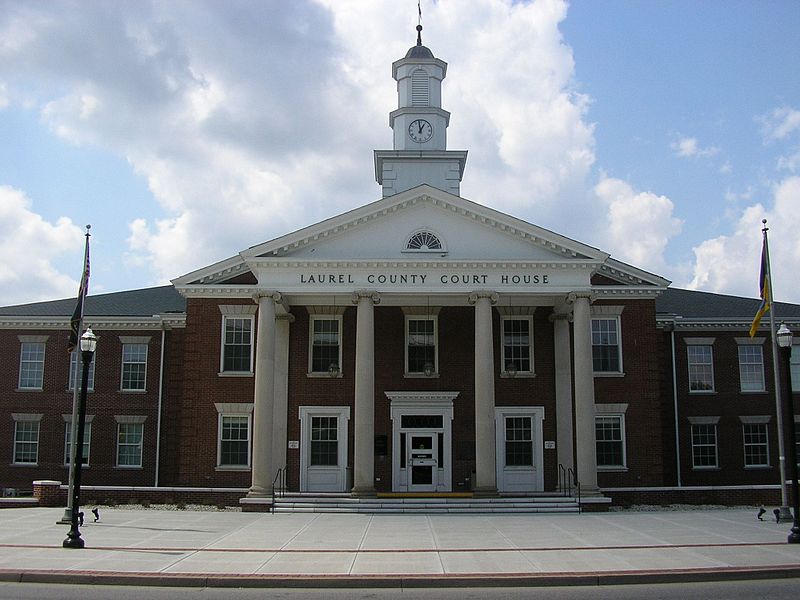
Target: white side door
column 519, row 449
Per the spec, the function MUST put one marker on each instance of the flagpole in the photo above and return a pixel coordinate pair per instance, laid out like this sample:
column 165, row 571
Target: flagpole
column 785, row 513
column 66, row 519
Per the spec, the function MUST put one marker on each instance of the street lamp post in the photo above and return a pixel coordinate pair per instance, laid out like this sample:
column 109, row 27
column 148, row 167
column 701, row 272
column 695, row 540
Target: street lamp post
column 785, row 344
column 88, row 345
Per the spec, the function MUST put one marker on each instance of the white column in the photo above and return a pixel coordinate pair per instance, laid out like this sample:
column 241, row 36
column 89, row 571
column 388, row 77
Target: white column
column 485, row 452
column 586, row 459
column 563, row 372
column 264, row 396
column 281, row 403
column 364, row 421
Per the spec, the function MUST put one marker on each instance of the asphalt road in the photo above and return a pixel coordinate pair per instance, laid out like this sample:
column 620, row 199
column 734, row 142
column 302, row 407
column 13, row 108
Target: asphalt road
column 777, row 589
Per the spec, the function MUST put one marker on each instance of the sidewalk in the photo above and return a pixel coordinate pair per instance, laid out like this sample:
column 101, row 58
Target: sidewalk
column 199, row 548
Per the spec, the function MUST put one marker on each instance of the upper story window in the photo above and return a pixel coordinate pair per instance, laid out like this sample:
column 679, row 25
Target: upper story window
column 700, row 362
column 236, row 348
column 134, row 363
column 31, row 362
column 751, row 367
column 795, row 368
column 424, row 241
column 606, row 346
column 76, row 375
column 325, row 354
column 517, row 344
column 421, row 343
column 420, row 88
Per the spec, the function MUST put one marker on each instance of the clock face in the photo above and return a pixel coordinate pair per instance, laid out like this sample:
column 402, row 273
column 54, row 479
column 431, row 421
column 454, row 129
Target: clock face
column 420, row 130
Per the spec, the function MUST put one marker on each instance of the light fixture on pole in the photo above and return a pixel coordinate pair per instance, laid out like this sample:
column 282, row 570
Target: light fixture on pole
column 784, row 338
column 88, row 345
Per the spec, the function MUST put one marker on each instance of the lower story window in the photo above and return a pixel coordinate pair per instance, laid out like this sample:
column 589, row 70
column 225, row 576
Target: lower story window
column 519, row 442
column 756, row 446
column 610, row 441
column 87, row 437
column 324, row 441
column 26, row 442
column 704, row 446
column 234, row 444
column 129, row 444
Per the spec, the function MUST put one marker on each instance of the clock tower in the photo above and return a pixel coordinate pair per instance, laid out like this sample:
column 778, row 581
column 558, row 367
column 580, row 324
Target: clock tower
column 419, row 123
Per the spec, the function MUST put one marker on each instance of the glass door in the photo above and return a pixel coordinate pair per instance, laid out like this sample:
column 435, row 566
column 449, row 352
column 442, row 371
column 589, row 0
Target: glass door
column 423, row 461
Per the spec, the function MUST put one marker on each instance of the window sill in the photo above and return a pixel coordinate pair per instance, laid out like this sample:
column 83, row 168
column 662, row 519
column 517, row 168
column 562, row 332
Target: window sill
column 235, row 374
column 133, row 391
column 128, row 467
column 36, row 464
column 323, row 375
column 29, row 389
column 234, row 469
column 420, row 376
column 752, row 392
column 603, row 374
column 757, row 467
column 706, row 469
column 612, row 469
column 517, row 375
column 702, row 392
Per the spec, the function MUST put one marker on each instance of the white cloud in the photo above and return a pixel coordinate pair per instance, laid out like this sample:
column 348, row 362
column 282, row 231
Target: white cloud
column 779, row 124
column 730, row 264
column 29, row 245
column 688, row 147
column 640, row 224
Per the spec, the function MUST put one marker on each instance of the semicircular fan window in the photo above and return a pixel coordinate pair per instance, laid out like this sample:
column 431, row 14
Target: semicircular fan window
column 424, row 240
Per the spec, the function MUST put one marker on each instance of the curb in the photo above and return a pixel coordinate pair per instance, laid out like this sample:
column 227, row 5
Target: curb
column 401, row 581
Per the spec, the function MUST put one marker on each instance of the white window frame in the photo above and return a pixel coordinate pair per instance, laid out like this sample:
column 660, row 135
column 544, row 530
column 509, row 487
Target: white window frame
column 616, row 411
column 795, row 369
column 128, row 341
column 27, row 419
column 694, row 343
column 761, row 421
column 27, row 342
column 340, row 323
column 236, row 317
column 225, row 410
column 129, row 420
column 714, row 422
column 87, row 439
column 608, row 313
column 74, row 362
column 758, row 366
column 421, row 315
column 507, row 360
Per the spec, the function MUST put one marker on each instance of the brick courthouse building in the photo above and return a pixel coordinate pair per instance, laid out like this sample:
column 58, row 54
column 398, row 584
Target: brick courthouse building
column 421, row 344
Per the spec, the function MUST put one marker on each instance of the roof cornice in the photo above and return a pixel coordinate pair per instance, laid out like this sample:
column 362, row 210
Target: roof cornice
column 169, row 321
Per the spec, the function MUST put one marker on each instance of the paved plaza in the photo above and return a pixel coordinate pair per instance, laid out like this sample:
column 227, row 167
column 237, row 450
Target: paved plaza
column 232, row 548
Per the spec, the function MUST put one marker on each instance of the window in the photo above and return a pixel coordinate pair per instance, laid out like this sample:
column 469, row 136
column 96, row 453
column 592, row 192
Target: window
column 519, row 444
column 129, row 443
column 423, row 241
column 701, row 368
column 326, row 347
column 610, row 440
column 31, row 366
column 704, row 446
column 237, row 345
column 795, row 368
column 134, row 367
column 606, row 356
column 756, row 447
column 421, row 345
column 751, row 368
column 87, row 438
column 517, row 351
column 234, row 442
column 324, row 441
column 26, row 439
column 74, row 375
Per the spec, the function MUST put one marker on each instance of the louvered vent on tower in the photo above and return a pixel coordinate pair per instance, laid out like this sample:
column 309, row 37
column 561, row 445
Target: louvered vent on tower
column 420, row 94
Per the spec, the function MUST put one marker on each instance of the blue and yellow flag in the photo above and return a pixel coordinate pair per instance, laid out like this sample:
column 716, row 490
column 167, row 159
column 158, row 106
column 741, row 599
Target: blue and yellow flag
column 766, row 293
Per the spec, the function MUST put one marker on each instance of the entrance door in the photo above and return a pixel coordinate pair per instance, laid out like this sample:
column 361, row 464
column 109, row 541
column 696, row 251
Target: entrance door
column 422, row 450
column 519, row 449
column 323, row 449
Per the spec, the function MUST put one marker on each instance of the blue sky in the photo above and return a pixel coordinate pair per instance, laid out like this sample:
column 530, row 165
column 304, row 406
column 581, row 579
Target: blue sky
column 186, row 131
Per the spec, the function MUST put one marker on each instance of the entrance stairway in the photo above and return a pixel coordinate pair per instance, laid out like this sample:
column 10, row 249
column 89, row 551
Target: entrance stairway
column 443, row 504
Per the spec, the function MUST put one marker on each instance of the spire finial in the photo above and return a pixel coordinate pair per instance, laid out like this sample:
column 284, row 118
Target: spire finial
column 419, row 23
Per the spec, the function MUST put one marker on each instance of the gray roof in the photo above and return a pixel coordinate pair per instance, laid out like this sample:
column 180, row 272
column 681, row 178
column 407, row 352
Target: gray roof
column 419, row 51
column 691, row 304
column 132, row 303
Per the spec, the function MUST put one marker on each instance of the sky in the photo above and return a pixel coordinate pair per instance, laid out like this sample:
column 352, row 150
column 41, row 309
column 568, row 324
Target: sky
column 662, row 132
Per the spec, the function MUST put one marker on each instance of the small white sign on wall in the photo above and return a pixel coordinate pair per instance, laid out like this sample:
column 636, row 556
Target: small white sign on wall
column 549, row 445
column 294, row 444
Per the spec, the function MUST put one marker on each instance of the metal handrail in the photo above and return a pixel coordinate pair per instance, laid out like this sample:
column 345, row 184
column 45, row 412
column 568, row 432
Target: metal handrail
column 279, row 484
column 562, row 479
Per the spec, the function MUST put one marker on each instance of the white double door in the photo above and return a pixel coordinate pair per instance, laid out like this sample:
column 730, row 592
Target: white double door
column 519, row 449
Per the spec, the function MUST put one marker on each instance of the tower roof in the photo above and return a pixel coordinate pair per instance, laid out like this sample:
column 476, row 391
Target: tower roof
column 419, row 51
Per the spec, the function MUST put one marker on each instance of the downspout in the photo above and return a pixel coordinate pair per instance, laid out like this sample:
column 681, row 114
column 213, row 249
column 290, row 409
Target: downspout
column 160, row 400
column 671, row 328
